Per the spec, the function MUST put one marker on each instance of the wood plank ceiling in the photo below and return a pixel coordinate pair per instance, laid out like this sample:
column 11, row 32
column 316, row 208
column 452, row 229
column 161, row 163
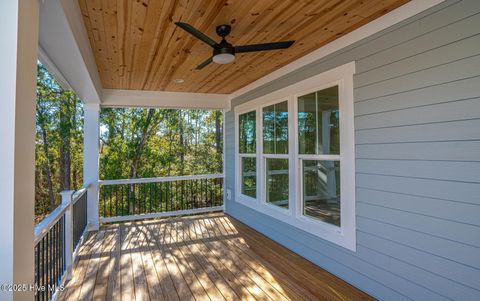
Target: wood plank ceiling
column 137, row 46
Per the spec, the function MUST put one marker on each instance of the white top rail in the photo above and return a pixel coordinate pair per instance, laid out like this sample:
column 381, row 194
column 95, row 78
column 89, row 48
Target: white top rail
column 76, row 196
column 47, row 223
column 160, row 179
column 42, row 228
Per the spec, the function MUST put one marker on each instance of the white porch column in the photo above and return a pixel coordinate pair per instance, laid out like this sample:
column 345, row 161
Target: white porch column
column 90, row 161
column 18, row 61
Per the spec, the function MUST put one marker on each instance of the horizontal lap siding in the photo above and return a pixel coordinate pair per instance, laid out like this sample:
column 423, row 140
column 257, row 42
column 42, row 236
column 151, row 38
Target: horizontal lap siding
column 417, row 136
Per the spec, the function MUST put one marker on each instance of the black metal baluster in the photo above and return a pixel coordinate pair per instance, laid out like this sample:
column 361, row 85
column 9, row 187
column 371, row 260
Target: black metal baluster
column 55, row 263
column 195, row 194
column 57, row 253
column 124, row 201
column 210, row 190
column 176, row 196
column 37, row 270
column 149, row 197
column 49, row 267
column 63, row 245
column 168, row 197
column 191, row 194
column 201, row 194
column 183, row 194
column 134, row 207
column 43, row 266
column 161, row 197
column 116, row 200
column 155, row 195
column 54, row 254
column 110, row 189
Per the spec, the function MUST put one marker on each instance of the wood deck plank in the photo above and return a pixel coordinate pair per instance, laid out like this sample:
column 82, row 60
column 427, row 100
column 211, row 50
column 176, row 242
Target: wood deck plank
column 267, row 271
column 181, row 285
column 105, row 266
column 158, row 255
column 88, row 284
column 267, row 287
column 153, row 284
column 191, row 275
column 127, row 288
column 234, row 281
column 113, row 290
column 215, row 286
column 72, row 290
column 203, row 257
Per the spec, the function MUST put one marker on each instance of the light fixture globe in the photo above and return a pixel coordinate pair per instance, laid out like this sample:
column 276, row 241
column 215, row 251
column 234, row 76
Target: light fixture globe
column 224, row 53
column 223, row 58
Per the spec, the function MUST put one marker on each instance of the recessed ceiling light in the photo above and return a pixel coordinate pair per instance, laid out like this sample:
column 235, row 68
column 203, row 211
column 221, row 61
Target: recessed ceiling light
column 179, row 81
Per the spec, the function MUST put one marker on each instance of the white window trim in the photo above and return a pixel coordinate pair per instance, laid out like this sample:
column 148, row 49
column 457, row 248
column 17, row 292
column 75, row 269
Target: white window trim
column 345, row 235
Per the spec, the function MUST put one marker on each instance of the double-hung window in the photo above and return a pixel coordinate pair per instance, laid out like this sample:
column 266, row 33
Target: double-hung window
column 275, row 154
column 295, row 155
column 318, row 118
column 247, row 149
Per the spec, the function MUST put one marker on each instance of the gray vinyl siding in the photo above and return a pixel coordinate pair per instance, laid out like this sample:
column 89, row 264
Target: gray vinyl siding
column 417, row 137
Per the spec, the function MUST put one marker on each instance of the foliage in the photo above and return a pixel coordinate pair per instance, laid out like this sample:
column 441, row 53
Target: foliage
column 142, row 143
column 59, row 142
column 134, row 142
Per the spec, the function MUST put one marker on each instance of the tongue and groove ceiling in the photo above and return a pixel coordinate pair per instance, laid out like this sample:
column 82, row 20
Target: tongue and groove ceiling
column 137, row 46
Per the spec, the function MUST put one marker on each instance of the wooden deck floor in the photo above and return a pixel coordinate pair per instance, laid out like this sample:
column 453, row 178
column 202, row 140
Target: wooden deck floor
column 206, row 257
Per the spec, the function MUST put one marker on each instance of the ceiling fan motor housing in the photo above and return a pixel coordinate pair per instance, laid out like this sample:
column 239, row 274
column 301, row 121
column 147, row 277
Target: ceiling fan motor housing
column 224, row 47
column 224, row 53
column 223, row 30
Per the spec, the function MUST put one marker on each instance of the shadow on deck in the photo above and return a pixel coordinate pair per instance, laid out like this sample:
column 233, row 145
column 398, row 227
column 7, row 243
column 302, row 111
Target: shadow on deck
column 202, row 257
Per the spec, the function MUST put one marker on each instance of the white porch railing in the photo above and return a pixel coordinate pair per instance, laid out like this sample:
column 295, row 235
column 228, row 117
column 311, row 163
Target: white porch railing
column 57, row 239
column 133, row 199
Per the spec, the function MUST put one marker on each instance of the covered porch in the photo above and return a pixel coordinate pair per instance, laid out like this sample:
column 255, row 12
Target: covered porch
column 370, row 192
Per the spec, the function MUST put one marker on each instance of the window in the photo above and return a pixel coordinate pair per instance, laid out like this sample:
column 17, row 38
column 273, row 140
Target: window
column 319, row 135
column 247, row 143
column 275, row 153
column 300, row 151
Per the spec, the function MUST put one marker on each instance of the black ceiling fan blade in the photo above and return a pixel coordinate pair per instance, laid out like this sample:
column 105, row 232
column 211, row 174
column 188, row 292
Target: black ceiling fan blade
column 204, row 64
column 196, row 33
column 263, row 47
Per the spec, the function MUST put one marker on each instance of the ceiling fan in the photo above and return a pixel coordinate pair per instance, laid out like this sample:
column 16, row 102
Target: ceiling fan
column 224, row 52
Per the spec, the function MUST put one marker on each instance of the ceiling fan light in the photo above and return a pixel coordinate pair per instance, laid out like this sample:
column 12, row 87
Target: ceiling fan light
column 223, row 58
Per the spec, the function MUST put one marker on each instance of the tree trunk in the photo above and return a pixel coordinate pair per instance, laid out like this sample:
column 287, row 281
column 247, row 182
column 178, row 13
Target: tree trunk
column 218, row 132
column 65, row 132
column 182, row 145
column 146, row 132
column 46, row 167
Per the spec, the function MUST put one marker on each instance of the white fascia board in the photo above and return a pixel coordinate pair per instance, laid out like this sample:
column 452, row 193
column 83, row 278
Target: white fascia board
column 402, row 13
column 160, row 99
column 53, row 69
column 64, row 41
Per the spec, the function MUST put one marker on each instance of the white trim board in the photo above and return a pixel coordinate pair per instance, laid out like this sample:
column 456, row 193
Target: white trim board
column 52, row 68
column 117, row 219
column 403, row 12
column 341, row 76
column 160, row 179
column 63, row 38
column 176, row 100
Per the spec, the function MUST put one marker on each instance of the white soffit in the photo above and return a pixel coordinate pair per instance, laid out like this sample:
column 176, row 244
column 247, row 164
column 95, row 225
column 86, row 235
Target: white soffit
column 177, row 100
column 66, row 49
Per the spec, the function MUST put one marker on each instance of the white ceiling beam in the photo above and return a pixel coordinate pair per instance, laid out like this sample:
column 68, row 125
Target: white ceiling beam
column 174, row 100
column 64, row 42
